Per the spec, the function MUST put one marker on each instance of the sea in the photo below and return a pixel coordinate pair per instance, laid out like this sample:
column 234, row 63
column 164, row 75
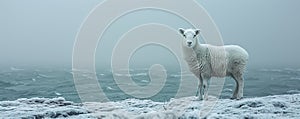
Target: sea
column 50, row 82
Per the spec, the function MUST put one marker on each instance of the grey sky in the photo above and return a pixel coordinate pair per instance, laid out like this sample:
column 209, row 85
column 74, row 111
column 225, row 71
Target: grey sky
column 43, row 32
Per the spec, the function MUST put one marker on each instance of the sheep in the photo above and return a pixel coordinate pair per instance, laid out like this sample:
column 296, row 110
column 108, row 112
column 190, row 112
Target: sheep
column 206, row 61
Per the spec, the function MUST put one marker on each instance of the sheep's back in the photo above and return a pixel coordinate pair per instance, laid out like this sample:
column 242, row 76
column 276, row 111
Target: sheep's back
column 227, row 58
column 236, row 53
column 237, row 59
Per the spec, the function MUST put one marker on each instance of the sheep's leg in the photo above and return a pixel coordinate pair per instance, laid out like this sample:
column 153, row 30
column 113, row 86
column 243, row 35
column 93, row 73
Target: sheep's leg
column 238, row 93
column 241, row 87
column 197, row 93
column 205, row 88
column 200, row 89
column 235, row 92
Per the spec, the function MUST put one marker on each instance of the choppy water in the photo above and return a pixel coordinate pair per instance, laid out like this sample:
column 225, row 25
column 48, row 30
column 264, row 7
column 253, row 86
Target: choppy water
column 24, row 82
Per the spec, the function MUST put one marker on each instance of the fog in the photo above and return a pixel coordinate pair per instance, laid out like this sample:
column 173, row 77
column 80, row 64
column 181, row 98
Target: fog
column 35, row 32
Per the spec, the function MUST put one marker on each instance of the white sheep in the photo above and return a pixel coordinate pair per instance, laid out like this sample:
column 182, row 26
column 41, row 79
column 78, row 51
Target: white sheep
column 206, row 61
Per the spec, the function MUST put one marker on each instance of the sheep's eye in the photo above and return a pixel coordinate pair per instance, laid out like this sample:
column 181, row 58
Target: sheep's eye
column 184, row 35
column 194, row 36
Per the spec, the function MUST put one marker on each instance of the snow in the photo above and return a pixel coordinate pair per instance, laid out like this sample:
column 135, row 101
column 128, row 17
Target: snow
column 276, row 107
column 36, row 108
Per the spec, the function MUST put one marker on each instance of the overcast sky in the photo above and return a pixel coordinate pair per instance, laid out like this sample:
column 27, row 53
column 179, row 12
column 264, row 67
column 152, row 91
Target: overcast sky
column 44, row 31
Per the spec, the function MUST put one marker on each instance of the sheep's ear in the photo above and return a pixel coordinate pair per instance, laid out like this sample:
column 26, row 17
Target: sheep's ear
column 181, row 31
column 197, row 31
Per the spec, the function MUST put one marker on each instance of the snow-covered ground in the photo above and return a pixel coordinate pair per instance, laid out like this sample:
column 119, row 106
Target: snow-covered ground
column 275, row 107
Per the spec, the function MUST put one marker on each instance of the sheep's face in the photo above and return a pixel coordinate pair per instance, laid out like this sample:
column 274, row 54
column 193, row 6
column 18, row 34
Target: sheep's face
column 189, row 36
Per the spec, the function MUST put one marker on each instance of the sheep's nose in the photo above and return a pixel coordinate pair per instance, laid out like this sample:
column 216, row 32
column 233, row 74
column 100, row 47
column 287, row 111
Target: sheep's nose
column 189, row 42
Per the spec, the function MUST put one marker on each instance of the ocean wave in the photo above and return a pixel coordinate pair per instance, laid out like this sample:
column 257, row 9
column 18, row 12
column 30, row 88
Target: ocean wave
column 134, row 74
column 279, row 70
column 145, row 81
column 109, row 88
column 117, row 74
column 283, row 71
column 16, row 69
column 295, row 78
column 57, row 93
column 131, row 74
column 44, row 76
column 271, row 70
column 181, row 75
column 293, row 91
column 227, row 90
column 6, row 84
column 101, row 74
column 276, row 107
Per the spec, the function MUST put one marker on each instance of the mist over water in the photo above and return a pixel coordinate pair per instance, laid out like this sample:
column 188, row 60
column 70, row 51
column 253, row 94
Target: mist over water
column 43, row 33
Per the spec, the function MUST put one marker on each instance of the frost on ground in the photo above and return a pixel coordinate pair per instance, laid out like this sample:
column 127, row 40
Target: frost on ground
column 278, row 107
column 38, row 108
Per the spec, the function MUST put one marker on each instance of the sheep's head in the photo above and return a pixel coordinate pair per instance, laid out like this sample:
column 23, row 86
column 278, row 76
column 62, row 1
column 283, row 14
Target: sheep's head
column 190, row 37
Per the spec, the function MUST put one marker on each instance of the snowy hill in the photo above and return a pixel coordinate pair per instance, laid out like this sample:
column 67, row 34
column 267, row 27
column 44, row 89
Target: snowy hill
column 276, row 107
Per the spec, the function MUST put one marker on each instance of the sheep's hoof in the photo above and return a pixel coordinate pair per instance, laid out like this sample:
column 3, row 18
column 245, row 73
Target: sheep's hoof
column 199, row 98
column 205, row 98
column 239, row 98
column 235, row 98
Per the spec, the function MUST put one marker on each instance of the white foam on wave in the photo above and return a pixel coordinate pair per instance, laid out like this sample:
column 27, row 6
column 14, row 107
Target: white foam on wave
column 140, row 74
column 271, row 70
column 15, row 69
column 182, row 75
column 280, row 70
column 129, row 75
column 228, row 90
column 110, row 88
column 293, row 91
column 295, row 78
column 44, row 76
column 145, row 81
column 57, row 93
column 118, row 74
